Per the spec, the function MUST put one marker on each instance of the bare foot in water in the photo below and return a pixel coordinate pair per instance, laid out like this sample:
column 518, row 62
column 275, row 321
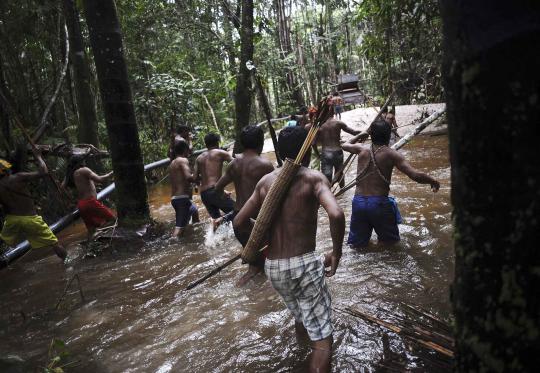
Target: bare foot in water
column 252, row 272
column 216, row 223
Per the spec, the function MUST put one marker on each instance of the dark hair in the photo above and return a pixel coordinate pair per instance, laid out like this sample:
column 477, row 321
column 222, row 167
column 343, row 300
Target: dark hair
column 384, row 110
column 252, row 137
column 336, row 93
column 180, row 147
column 380, row 132
column 290, row 141
column 182, row 128
column 303, row 110
column 292, row 117
column 75, row 162
column 211, row 140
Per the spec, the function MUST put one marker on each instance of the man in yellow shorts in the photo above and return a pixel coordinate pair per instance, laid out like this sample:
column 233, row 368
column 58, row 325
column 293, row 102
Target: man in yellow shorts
column 22, row 221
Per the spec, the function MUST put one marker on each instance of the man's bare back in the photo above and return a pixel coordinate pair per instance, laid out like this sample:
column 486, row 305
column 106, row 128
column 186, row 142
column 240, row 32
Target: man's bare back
column 209, row 167
column 245, row 171
column 370, row 182
column 84, row 179
column 295, row 226
column 329, row 136
column 181, row 177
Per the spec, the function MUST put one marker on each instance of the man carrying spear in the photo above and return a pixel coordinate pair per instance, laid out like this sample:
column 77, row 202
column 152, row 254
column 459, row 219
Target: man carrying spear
column 372, row 208
column 292, row 266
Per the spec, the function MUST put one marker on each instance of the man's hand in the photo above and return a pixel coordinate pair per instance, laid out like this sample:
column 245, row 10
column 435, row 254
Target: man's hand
column 435, row 185
column 331, row 260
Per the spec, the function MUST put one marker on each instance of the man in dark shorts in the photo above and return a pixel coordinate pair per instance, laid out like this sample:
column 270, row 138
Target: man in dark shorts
column 94, row 213
column 208, row 170
column 372, row 208
column 329, row 138
column 181, row 179
column 337, row 103
column 22, row 222
column 292, row 266
column 245, row 171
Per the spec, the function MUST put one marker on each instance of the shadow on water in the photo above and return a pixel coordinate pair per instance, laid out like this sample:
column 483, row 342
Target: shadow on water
column 138, row 318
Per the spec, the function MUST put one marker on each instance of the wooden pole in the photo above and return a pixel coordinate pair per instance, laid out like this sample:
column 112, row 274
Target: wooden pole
column 266, row 108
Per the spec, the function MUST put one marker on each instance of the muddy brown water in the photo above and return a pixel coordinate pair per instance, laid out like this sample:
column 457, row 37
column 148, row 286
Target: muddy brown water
column 137, row 318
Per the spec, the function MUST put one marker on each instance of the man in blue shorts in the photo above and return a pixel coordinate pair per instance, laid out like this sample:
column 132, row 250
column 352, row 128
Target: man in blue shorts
column 372, row 208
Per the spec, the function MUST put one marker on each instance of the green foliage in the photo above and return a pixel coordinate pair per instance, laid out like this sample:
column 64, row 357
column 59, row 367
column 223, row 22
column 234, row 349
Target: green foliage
column 402, row 41
column 57, row 357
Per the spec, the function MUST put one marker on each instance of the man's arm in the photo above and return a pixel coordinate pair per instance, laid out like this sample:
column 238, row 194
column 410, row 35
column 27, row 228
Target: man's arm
column 348, row 129
column 242, row 221
column 225, row 179
column 420, row 177
column 41, row 169
column 186, row 172
column 352, row 147
column 97, row 178
column 197, row 171
column 226, row 156
column 337, row 223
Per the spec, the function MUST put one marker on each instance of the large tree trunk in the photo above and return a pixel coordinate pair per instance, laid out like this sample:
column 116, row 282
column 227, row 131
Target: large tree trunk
column 492, row 84
column 284, row 32
column 87, row 130
column 106, row 40
column 243, row 81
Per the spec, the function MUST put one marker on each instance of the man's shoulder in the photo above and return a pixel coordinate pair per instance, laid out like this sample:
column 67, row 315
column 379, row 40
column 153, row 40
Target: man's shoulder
column 83, row 171
column 311, row 176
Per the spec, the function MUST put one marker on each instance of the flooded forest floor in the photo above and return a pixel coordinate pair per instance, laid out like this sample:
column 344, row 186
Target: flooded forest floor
column 136, row 317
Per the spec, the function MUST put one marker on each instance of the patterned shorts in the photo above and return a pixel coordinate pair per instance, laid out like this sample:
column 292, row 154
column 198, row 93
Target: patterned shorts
column 300, row 282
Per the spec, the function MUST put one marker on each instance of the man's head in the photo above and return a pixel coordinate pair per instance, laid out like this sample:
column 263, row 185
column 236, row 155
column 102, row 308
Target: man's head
column 211, row 140
column 74, row 163
column 290, row 142
column 181, row 149
column 303, row 110
column 252, row 137
column 5, row 168
column 389, row 117
column 380, row 132
column 292, row 117
column 336, row 94
column 183, row 130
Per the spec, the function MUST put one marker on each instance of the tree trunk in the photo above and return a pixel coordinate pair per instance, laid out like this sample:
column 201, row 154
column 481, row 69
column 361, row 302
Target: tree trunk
column 243, row 81
column 87, row 130
column 493, row 91
column 106, row 41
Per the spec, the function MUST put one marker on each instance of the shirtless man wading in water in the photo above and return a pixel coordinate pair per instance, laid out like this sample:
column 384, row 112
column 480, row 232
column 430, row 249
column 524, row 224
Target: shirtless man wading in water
column 94, row 213
column 181, row 179
column 208, row 169
column 372, row 208
column 22, row 221
column 292, row 266
column 329, row 138
column 245, row 171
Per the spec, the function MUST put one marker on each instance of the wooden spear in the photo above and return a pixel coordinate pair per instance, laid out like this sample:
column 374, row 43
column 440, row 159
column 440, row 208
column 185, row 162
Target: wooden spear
column 266, row 108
